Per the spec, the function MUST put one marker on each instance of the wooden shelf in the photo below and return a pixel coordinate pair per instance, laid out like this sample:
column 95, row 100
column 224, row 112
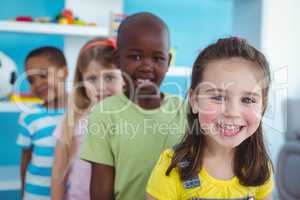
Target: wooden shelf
column 53, row 29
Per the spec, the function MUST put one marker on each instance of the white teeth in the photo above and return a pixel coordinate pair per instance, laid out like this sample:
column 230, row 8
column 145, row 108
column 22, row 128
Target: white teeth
column 141, row 81
column 230, row 126
column 144, row 82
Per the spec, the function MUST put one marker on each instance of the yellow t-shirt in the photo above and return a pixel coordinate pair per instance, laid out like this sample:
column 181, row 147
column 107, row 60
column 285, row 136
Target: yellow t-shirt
column 170, row 187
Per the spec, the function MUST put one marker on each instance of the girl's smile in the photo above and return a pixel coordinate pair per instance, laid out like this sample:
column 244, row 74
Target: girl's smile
column 229, row 130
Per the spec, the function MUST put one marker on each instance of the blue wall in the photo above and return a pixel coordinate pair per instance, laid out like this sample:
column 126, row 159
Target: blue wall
column 17, row 45
column 9, row 152
column 193, row 23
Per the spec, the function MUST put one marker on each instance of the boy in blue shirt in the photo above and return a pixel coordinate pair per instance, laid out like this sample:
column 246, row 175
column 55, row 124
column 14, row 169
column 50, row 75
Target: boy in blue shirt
column 46, row 70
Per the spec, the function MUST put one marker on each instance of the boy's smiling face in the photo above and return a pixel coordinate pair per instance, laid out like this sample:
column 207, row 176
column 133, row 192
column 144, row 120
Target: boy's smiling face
column 46, row 80
column 144, row 59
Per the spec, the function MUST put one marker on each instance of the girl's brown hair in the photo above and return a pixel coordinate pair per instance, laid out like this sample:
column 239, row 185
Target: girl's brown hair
column 251, row 162
column 100, row 51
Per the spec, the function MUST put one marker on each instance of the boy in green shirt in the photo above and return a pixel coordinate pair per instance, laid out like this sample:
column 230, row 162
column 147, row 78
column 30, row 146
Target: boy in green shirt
column 126, row 133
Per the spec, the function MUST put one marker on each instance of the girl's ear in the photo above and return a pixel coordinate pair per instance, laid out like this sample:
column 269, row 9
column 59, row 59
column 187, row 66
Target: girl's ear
column 193, row 101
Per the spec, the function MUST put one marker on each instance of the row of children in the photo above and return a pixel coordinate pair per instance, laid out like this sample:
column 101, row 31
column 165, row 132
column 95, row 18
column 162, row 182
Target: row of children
column 117, row 122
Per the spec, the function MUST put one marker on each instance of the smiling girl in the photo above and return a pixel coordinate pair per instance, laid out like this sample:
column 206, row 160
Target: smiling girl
column 222, row 155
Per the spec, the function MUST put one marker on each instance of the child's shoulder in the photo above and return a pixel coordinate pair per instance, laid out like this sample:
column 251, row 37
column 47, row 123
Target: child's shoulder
column 167, row 155
column 110, row 104
column 35, row 112
column 164, row 163
column 29, row 113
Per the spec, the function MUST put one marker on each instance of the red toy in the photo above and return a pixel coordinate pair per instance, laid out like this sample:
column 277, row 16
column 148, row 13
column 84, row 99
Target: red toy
column 68, row 14
column 24, row 19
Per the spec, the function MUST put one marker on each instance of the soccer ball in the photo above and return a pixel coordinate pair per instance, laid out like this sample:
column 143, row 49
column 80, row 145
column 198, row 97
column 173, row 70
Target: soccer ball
column 8, row 75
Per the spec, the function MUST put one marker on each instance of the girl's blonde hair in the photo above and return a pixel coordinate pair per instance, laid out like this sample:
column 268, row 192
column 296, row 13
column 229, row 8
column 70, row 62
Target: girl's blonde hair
column 98, row 50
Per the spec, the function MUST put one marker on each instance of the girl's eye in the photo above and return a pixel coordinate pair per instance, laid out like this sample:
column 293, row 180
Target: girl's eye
column 109, row 78
column 219, row 98
column 92, row 79
column 248, row 100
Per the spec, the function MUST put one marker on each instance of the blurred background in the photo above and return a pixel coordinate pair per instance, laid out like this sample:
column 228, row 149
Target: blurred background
column 270, row 25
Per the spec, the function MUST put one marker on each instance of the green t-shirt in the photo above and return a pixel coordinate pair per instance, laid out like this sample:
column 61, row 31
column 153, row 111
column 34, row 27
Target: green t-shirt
column 123, row 135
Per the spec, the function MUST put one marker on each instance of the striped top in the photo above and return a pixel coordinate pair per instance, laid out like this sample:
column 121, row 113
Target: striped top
column 36, row 133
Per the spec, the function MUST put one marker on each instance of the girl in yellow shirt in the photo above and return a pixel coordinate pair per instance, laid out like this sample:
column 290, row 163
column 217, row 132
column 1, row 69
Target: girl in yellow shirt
column 222, row 155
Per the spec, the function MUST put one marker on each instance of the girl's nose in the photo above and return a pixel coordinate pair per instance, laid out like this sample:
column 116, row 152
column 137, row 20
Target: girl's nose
column 231, row 108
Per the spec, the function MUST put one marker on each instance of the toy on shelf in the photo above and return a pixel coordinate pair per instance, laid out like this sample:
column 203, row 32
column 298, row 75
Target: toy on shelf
column 24, row 19
column 67, row 17
column 43, row 19
column 8, row 76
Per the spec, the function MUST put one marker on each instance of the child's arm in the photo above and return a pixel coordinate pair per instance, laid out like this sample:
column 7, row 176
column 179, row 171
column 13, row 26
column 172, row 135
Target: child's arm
column 102, row 182
column 25, row 159
column 59, row 173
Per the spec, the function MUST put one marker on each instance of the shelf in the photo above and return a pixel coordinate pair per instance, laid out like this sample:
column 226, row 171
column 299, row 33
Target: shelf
column 14, row 106
column 179, row 71
column 53, row 29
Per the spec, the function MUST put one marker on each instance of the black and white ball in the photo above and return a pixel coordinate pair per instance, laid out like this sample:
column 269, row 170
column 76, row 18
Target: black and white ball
column 8, row 75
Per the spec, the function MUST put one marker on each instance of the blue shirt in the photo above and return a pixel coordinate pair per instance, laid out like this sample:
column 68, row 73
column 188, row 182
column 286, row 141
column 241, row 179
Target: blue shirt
column 37, row 128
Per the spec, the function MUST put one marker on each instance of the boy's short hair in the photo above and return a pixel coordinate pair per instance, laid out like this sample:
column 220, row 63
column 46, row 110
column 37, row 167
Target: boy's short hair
column 145, row 19
column 53, row 54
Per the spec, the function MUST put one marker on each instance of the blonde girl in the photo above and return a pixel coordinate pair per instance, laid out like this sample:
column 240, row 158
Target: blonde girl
column 96, row 78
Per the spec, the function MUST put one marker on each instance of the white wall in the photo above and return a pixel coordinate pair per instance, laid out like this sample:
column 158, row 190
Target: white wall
column 98, row 11
column 281, row 43
column 276, row 44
